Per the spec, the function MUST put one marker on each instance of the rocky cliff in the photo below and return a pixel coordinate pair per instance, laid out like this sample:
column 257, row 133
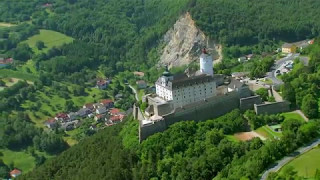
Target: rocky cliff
column 184, row 43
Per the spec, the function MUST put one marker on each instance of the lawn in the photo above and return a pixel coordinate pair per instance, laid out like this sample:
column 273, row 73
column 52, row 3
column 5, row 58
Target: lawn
column 266, row 132
column 21, row 160
column 232, row 138
column 16, row 74
column 306, row 164
column 292, row 115
column 50, row 39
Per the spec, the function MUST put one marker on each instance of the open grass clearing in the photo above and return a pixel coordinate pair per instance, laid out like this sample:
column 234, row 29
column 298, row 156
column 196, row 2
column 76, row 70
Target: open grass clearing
column 7, row 73
column 292, row 115
column 266, row 132
column 307, row 163
column 20, row 159
column 50, row 39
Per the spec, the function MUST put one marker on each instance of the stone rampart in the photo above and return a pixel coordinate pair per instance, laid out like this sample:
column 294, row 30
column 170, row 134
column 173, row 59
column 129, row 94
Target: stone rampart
column 248, row 102
column 272, row 108
column 200, row 111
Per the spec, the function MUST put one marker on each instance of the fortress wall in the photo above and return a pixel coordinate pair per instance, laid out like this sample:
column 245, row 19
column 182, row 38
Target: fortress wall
column 201, row 111
column 163, row 109
column 272, row 108
column 150, row 129
column 248, row 103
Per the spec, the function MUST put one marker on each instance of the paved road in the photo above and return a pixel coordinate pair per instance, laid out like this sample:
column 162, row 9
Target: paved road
column 287, row 159
column 272, row 75
column 135, row 92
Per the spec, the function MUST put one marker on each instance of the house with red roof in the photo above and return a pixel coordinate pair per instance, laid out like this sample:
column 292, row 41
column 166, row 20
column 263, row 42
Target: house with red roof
column 101, row 84
column 89, row 106
column 98, row 117
column 62, row 117
column 114, row 111
column 15, row 173
column 51, row 123
column 108, row 103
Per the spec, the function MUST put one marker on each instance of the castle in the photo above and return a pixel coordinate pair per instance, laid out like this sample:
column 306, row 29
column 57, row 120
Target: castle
column 200, row 96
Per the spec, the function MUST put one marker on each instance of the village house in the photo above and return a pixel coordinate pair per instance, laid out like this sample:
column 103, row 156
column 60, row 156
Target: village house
column 97, row 105
column 141, row 84
column 51, row 123
column 101, row 84
column 249, row 56
column 288, row 48
column 72, row 116
column 68, row 126
column 115, row 119
column 15, row 173
column 114, row 111
column 89, row 106
column 239, row 75
column 108, row 103
column 98, row 117
column 6, row 61
column 62, row 117
column 83, row 112
column 101, row 110
column 242, row 59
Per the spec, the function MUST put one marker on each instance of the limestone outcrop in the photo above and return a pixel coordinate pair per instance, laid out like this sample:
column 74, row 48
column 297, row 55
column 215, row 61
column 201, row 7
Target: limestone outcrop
column 184, row 43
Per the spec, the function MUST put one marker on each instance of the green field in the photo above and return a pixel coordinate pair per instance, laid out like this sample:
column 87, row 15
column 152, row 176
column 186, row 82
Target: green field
column 232, row 138
column 20, row 160
column 52, row 103
column 17, row 74
column 292, row 115
column 306, row 164
column 266, row 132
column 50, row 39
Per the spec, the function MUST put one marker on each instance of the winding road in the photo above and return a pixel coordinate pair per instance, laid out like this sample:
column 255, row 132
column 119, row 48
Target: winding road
column 135, row 92
column 287, row 159
column 279, row 63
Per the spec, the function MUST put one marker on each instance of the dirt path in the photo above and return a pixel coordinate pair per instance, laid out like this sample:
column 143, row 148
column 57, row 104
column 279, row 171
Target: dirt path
column 302, row 115
column 246, row 136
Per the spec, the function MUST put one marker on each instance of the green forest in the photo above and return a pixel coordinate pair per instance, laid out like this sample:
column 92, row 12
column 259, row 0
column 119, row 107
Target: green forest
column 187, row 150
column 112, row 38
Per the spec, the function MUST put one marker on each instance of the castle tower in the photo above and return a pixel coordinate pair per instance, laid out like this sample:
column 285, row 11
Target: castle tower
column 206, row 65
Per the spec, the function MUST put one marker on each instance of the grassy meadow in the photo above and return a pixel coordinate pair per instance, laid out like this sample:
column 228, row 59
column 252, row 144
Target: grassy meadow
column 50, row 39
column 306, row 164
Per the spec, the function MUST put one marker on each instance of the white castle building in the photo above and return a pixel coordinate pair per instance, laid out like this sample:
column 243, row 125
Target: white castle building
column 178, row 91
column 181, row 90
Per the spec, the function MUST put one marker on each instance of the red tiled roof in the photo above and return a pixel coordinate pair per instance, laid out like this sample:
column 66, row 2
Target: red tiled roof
column 6, row 61
column 99, row 116
column 115, row 118
column 101, row 82
column 114, row 111
column 106, row 101
column 15, row 172
column 89, row 105
column 51, row 120
column 62, row 115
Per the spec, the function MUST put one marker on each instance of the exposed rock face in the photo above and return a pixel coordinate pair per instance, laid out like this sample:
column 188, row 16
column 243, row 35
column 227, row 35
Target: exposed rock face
column 184, row 43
